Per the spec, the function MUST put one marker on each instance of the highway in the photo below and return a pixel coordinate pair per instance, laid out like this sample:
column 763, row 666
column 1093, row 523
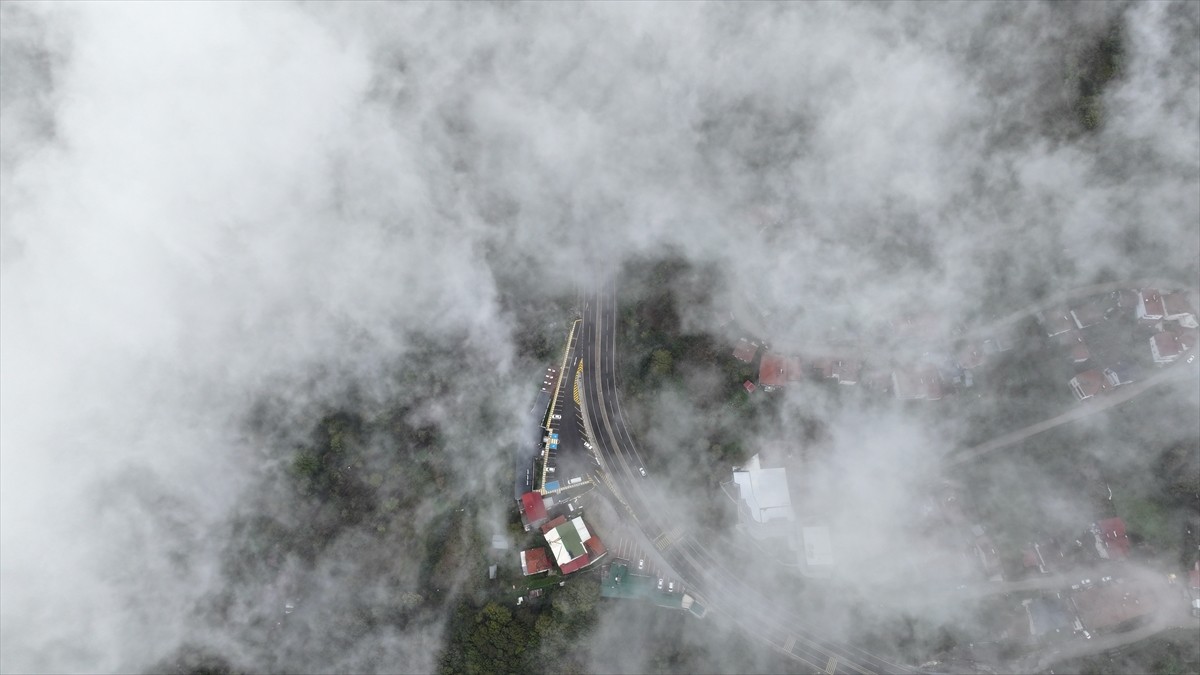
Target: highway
column 703, row 571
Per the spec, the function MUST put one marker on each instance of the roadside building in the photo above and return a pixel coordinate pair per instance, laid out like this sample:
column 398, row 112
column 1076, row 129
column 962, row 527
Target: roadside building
column 1072, row 340
column 748, row 386
column 1089, row 383
column 1090, row 313
column 1120, row 374
column 1056, row 322
column 846, row 371
column 920, row 383
column 745, row 350
column 572, row 545
column 1112, row 543
column 1177, row 308
column 970, row 355
column 1167, row 346
column 533, row 510
column 794, row 368
column 535, row 561
column 1150, row 307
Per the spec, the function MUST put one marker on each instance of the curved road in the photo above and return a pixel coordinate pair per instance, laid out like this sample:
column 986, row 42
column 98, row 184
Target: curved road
column 703, row 571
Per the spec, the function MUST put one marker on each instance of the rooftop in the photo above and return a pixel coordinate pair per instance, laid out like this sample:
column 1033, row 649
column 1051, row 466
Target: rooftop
column 772, row 371
column 745, row 350
column 1110, row 605
column 764, row 493
column 534, row 561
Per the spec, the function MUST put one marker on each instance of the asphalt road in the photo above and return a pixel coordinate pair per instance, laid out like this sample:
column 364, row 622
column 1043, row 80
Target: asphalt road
column 704, row 572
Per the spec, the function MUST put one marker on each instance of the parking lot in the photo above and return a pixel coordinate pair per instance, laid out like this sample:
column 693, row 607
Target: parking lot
column 641, row 564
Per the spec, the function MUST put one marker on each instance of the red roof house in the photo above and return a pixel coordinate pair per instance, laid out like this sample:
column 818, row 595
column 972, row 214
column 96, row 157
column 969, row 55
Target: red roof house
column 1177, row 308
column 772, row 371
column 534, row 561
column 1194, row 577
column 553, row 524
column 744, row 351
column 846, row 371
column 970, row 356
column 1150, row 305
column 1073, row 341
column 921, row 383
column 1056, row 321
column 1168, row 346
column 1089, row 383
column 1111, row 541
column 533, row 509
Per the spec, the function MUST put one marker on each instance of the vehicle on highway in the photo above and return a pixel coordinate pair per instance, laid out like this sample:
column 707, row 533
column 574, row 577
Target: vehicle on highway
column 1191, row 358
column 642, row 471
column 641, row 564
column 660, row 583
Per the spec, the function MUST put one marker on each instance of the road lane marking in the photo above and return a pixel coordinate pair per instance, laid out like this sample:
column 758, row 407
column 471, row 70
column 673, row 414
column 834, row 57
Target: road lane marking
column 791, row 642
column 831, row 667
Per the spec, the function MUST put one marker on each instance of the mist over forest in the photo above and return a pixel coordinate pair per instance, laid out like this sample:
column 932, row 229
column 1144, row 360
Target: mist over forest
column 279, row 282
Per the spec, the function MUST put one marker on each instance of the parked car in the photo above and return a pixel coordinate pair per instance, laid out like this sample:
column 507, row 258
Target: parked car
column 641, row 564
column 660, row 583
column 642, row 471
column 671, row 587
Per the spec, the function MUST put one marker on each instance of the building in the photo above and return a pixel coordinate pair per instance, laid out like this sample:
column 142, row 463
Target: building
column 1056, row 322
column 1150, row 307
column 846, row 371
column 1112, row 543
column 1120, row 374
column 1072, row 340
column 970, row 355
column 1090, row 314
column 572, row 544
column 535, row 561
column 533, row 510
column 818, row 551
column 772, row 371
column 1168, row 346
column 763, row 499
column 1089, row 383
column 1177, row 308
column 921, row 383
column 745, row 350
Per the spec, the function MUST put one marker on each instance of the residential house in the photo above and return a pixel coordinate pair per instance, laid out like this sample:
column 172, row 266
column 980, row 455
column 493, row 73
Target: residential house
column 1089, row 383
column 745, row 350
column 1176, row 307
column 1167, row 346
column 1056, row 322
column 919, row 383
column 535, row 561
column 1150, row 307
column 970, row 355
column 772, row 371
column 533, row 510
column 1090, row 313
column 1077, row 348
column 846, row 371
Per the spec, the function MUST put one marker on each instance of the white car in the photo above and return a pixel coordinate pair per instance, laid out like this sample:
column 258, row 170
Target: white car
column 557, row 417
column 642, row 471
column 587, row 445
column 660, row 583
column 671, row 587
column 641, row 564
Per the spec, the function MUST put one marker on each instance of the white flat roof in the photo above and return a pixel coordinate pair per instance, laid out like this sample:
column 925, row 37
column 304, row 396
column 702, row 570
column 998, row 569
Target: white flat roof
column 818, row 548
column 765, row 492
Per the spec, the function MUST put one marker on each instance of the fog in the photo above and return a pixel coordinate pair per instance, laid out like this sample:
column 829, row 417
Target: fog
column 219, row 222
